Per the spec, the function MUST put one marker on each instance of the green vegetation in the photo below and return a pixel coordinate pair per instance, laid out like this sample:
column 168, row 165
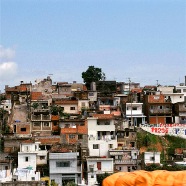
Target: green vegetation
column 92, row 74
column 173, row 143
column 146, row 139
column 101, row 177
column 167, row 167
column 35, row 105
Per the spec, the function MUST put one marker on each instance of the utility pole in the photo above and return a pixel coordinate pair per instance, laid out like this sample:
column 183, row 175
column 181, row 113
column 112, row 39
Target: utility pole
column 157, row 82
column 130, row 95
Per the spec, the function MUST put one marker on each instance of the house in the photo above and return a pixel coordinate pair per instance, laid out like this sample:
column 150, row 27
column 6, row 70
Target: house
column 152, row 158
column 63, row 168
column 43, row 85
column 124, row 160
column 64, row 88
column 40, row 114
column 22, row 129
column 182, row 89
column 74, row 131
column 6, row 105
column 157, row 109
column 96, row 166
column 134, row 113
column 180, row 112
column 101, row 134
column 69, row 106
column 29, row 157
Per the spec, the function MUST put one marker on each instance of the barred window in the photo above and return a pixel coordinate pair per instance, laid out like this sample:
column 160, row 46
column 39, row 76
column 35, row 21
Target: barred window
column 63, row 164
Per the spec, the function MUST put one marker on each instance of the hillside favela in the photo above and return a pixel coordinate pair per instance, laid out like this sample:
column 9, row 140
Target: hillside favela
column 70, row 133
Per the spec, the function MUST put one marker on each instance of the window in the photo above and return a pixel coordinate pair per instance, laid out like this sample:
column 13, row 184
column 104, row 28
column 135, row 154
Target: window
column 80, row 136
column 72, row 108
column 178, row 90
column 110, row 146
column 55, row 123
column 91, row 94
column 120, row 157
column 42, row 157
column 46, row 124
column 107, row 123
column 72, row 136
column 184, row 90
column 26, row 159
column 152, row 158
column 83, row 104
column 26, row 148
column 23, row 129
column 33, row 178
column 99, row 165
column 36, row 124
column 134, row 108
column 63, row 164
column 180, row 96
column 156, row 97
column 128, row 169
column 95, row 146
column 160, row 107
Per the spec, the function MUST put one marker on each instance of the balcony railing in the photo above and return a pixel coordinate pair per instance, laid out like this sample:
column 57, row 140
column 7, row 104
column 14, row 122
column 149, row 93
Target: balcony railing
column 105, row 137
column 125, row 162
column 41, row 117
column 160, row 111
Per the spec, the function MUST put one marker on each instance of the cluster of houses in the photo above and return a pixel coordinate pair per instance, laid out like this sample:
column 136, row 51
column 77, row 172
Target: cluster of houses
column 71, row 134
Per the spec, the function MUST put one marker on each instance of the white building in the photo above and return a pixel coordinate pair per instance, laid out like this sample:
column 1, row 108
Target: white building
column 63, row 168
column 6, row 105
column 97, row 166
column 134, row 112
column 181, row 89
column 151, row 158
column 101, row 134
column 29, row 157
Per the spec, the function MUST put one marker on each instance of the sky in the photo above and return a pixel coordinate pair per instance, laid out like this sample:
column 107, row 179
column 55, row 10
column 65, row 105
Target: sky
column 144, row 40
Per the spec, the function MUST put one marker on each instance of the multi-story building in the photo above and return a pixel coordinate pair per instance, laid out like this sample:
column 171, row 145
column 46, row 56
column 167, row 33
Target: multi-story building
column 134, row 113
column 96, row 166
column 180, row 112
column 64, row 168
column 101, row 134
column 157, row 109
column 125, row 159
column 29, row 157
column 40, row 114
column 152, row 158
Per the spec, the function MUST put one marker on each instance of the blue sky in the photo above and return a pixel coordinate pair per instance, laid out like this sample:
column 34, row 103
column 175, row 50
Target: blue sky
column 144, row 40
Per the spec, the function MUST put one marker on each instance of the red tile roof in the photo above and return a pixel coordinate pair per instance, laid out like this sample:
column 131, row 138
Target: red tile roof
column 103, row 116
column 36, row 96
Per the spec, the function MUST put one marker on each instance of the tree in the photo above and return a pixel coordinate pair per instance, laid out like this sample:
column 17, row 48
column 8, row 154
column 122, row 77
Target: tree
column 92, row 74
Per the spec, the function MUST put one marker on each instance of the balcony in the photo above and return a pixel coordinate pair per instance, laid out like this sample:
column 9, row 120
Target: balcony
column 36, row 117
column 104, row 138
column 46, row 117
column 160, row 111
column 126, row 162
column 40, row 117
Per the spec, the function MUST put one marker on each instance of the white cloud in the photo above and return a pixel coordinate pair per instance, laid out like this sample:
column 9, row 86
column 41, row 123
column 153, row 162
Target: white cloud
column 8, row 70
column 6, row 53
column 8, row 67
